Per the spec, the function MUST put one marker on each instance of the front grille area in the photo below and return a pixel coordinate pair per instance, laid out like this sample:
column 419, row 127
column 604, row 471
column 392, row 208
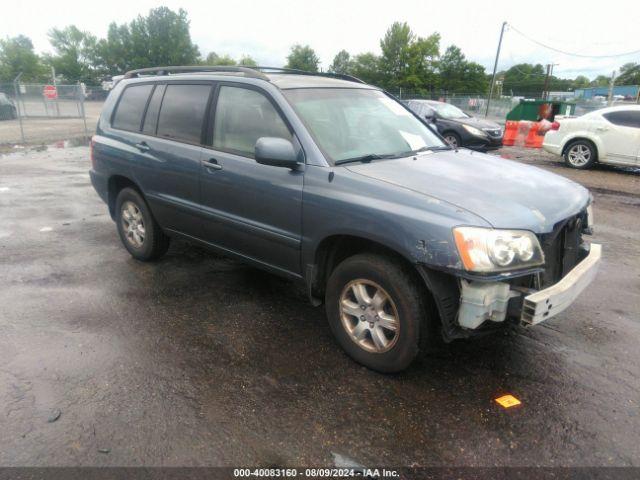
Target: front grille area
column 563, row 248
column 494, row 133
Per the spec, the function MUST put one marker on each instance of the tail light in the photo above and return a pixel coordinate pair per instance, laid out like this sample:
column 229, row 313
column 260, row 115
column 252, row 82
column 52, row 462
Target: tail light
column 555, row 126
column 91, row 153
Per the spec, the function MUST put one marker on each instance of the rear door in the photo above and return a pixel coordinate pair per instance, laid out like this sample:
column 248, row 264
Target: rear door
column 620, row 133
column 170, row 153
column 250, row 209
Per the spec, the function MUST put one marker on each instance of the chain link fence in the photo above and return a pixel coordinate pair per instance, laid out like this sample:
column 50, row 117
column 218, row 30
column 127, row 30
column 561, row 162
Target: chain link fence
column 39, row 113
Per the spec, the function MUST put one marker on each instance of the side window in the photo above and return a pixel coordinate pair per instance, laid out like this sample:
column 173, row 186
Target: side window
column 242, row 116
column 151, row 118
column 628, row 118
column 182, row 112
column 130, row 108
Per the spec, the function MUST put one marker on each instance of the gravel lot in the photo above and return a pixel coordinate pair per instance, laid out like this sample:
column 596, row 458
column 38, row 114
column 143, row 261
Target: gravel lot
column 198, row 360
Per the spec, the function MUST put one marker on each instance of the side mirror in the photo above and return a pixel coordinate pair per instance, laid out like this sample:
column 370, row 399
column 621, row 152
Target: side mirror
column 276, row 152
column 430, row 118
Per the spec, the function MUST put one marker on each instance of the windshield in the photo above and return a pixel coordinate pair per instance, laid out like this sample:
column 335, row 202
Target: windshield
column 449, row 111
column 349, row 123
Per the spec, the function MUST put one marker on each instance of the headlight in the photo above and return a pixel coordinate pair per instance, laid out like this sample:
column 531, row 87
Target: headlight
column 490, row 250
column 474, row 131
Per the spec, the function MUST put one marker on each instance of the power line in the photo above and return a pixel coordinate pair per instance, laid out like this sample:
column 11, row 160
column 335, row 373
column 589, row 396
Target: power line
column 564, row 52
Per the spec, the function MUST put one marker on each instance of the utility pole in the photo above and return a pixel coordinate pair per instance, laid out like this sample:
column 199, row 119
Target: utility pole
column 16, row 91
column 611, row 85
column 495, row 67
column 545, row 92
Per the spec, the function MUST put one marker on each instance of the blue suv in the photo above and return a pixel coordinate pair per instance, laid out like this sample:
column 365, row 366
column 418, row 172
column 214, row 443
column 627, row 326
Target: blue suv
column 334, row 183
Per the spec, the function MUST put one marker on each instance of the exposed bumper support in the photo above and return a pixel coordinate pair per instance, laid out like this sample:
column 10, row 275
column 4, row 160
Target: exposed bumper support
column 551, row 301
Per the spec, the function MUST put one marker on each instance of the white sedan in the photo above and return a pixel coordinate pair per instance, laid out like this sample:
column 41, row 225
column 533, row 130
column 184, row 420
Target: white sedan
column 610, row 135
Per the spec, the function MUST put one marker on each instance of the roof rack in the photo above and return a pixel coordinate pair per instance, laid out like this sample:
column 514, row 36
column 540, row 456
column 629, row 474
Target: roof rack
column 247, row 71
column 251, row 72
column 341, row 76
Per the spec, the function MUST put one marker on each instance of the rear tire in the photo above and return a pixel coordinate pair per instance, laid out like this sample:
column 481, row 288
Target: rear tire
column 139, row 232
column 580, row 154
column 381, row 326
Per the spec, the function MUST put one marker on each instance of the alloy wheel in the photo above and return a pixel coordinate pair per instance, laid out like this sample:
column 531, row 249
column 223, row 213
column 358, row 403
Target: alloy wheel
column 133, row 224
column 369, row 316
column 579, row 155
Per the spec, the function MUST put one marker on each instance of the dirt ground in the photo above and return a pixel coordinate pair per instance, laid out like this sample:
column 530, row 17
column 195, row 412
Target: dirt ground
column 198, row 360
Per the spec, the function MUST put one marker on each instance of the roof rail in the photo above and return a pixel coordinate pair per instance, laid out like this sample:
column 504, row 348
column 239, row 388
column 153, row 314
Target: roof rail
column 341, row 76
column 247, row 71
column 252, row 72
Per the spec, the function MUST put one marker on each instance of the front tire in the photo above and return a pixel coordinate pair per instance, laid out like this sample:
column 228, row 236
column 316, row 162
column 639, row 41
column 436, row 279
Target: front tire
column 580, row 154
column 139, row 232
column 453, row 139
column 376, row 311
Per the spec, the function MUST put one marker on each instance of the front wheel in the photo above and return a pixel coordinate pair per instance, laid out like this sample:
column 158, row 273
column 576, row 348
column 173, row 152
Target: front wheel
column 376, row 311
column 140, row 233
column 580, row 154
column 453, row 139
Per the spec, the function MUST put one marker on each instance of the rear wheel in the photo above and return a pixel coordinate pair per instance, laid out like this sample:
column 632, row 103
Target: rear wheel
column 140, row 233
column 580, row 154
column 376, row 311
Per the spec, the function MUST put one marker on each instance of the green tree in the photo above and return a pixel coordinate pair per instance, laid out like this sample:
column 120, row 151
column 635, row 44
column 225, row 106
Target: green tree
column 629, row 74
column 247, row 61
column 524, row 79
column 408, row 61
column 341, row 63
column 366, row 67
column 459, row 75
column 160, row 38
column 600, row 81
column 580, row 82
column 303, row 57
column 214, row 59
column 75, row 57
column 17, row 55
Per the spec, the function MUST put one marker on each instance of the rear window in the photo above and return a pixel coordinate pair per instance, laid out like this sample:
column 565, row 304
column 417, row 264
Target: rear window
column 182, row 112
column 628, row 118
column 130, row 108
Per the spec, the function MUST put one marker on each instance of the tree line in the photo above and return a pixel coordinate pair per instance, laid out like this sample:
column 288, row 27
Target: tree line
column 407, row 61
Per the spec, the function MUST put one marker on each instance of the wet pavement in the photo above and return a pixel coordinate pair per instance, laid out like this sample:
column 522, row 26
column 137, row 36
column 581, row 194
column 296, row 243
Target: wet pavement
column 198, row 360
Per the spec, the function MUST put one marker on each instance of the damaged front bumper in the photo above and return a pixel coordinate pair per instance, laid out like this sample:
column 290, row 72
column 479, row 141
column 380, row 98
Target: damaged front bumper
column 495, row 301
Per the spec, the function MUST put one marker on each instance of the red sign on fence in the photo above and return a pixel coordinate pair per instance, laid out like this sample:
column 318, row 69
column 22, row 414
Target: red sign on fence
column 50, row 92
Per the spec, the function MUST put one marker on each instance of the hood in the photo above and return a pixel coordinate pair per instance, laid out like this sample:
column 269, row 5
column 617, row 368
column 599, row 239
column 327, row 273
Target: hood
column 505, row 193
column 478, row 123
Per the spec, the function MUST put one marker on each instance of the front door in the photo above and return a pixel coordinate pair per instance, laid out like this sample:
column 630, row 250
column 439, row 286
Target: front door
column 250, row 209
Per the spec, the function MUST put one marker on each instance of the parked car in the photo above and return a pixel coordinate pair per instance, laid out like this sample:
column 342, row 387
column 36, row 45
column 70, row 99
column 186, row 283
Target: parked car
column 458, row 128
column 609, row 135
column 332, row 183
column 8, row 109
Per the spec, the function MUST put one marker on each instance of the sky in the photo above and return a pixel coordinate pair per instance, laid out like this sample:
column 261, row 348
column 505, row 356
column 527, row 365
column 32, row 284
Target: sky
column 266, row 29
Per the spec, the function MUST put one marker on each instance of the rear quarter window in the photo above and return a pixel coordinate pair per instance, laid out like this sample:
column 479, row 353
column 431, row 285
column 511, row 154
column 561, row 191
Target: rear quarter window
column 628, row 118
column 128, row 115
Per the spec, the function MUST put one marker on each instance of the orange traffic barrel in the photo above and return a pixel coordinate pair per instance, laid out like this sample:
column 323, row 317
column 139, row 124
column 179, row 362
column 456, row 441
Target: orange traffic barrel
column 534, row 137
column 510, row 132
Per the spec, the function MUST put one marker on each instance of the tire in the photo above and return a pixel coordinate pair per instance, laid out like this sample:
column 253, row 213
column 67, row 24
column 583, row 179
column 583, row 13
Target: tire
column 580, row 154
column 453, row 139
column 405, row 303
column 148, row 243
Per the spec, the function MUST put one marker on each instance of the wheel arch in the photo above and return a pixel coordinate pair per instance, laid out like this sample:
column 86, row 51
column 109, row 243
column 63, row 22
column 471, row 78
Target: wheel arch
column 581, row 137
column 115, row 184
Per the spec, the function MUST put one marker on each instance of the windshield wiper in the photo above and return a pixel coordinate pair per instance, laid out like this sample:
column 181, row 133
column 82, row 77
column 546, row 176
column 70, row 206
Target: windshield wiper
column 434, row 148
column 362, row 158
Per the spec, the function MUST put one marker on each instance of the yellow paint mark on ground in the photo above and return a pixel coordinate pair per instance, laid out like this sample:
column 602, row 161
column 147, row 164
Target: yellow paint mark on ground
column 508, row 401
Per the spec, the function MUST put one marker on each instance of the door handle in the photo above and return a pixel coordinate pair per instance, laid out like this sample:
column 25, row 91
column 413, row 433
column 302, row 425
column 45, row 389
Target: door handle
column 142, row 146
column 211, row 164
column 602, row 129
